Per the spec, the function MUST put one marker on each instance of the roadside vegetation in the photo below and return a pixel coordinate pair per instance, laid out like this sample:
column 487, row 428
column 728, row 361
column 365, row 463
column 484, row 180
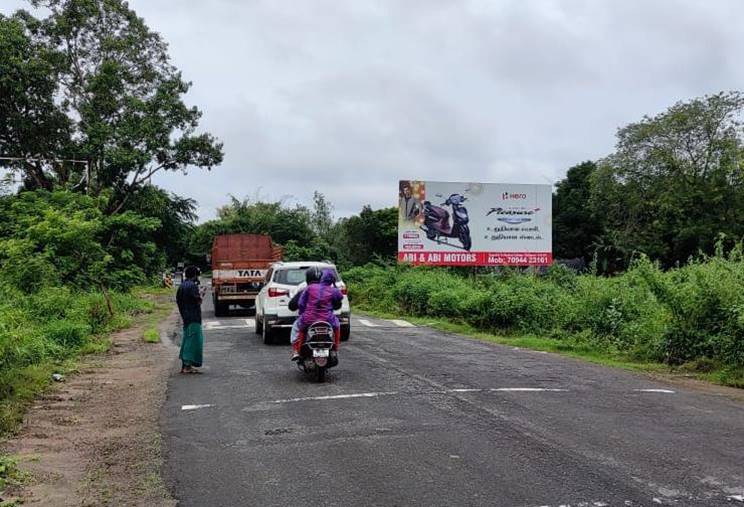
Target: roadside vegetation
column 690, row 317
column 151, row 335
column 92, row 109
column 42, row 333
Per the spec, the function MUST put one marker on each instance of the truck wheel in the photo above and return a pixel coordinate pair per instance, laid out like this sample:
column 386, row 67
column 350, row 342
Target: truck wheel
column 345, row 333
column 268, row 334
column 221, row 309
column 258, row 328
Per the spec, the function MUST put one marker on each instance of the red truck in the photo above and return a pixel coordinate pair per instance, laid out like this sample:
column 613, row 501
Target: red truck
column 239, row 266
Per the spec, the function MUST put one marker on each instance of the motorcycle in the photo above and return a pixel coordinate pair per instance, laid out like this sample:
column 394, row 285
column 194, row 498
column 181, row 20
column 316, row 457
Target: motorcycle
column 317, row 354
column 437, row 221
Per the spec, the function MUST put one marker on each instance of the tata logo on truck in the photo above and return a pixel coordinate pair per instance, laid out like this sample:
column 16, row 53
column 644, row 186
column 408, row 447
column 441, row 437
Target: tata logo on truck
column 250, row 273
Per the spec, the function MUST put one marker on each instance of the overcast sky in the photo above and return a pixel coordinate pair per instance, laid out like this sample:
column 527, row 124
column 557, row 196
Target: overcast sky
column 347, row 97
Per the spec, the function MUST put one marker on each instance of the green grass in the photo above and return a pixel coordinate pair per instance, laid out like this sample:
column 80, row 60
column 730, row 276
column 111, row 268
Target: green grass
column 48, row 332
column 10, row 475
column 151, row 335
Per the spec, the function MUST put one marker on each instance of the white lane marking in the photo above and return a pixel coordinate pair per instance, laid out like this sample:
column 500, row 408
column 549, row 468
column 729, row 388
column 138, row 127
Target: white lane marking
column 402, row 323
column 337, row 397
column 368, row 323
column 194, row 407
column 738, row 498
column 663, row 391
column 213, row 325
column 463, row 390
column 528, row 389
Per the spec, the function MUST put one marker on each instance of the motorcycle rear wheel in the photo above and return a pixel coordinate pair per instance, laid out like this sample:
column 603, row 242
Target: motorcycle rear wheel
column 321, row 375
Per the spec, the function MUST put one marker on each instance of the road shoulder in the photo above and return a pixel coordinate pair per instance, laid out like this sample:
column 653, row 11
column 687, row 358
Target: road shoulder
column 95, row 438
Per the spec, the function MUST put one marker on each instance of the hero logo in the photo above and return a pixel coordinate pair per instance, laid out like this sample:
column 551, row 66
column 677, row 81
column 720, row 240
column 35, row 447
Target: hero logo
column 250, row 272
column 506, row 196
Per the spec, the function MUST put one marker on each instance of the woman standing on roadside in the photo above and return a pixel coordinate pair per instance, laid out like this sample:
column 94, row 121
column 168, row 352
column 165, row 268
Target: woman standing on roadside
column 189, row 300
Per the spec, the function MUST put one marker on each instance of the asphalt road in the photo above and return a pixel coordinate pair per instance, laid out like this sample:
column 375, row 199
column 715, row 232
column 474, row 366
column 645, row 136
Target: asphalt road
column 413, row 416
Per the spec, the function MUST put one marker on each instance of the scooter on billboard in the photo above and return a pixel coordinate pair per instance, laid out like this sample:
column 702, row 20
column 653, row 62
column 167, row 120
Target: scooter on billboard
column 437, row 224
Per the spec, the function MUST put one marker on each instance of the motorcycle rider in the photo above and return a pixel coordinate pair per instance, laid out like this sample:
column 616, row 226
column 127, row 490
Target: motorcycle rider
column 312, row 275
column 317, row 303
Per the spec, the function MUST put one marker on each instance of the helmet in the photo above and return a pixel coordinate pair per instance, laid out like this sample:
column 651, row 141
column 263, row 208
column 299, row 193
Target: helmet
column 313, row 274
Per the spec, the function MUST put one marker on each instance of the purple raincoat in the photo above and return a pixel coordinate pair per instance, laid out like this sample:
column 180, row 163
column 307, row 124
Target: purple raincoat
column 318, row 301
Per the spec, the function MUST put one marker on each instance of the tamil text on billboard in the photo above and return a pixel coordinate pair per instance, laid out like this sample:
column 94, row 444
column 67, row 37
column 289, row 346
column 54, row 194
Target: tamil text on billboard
column 474, row 224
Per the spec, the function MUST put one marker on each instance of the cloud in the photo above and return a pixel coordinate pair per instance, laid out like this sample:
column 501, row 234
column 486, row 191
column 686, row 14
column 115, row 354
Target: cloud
column 348, row 97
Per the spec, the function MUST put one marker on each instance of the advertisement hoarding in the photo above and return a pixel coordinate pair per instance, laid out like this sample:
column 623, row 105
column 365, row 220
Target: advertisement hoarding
column 474, row 224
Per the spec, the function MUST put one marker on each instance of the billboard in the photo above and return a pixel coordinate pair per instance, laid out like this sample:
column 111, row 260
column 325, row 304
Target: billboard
column 474, row 224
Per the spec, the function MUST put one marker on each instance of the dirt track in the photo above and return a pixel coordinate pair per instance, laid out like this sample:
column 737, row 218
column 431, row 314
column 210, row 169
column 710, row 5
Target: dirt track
column 94, row 439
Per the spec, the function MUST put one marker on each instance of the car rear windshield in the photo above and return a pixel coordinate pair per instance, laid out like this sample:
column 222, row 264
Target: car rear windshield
column 294, row 276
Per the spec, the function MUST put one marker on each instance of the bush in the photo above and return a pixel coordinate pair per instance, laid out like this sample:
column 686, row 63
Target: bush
column 40, row 330
column 69, row 335
column 690, row 313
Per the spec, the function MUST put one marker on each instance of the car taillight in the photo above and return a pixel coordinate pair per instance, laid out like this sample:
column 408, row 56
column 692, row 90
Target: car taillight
column 344, row 291
column 275, row 293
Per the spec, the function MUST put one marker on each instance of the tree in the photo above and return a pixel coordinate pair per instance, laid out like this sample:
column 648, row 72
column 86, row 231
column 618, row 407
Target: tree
column 321, row 217
column 675, row 181
column 369, row 236
column 575, row 228
column 33, row 126
column 176, row 216
column 65, row 238
column 286, row 225
column 121, row 99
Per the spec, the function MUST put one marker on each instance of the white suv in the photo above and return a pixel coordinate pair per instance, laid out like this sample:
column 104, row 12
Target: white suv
column 283, row 280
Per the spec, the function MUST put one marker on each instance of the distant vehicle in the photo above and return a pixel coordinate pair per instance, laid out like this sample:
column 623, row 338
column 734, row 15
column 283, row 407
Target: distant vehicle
column 282, row 282
column 240, row 263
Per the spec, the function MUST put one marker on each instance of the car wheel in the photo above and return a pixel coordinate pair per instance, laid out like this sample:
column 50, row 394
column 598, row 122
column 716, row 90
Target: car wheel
column 268, row 334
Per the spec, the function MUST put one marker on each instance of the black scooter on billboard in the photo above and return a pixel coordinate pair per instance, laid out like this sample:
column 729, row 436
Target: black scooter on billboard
column 437, row 224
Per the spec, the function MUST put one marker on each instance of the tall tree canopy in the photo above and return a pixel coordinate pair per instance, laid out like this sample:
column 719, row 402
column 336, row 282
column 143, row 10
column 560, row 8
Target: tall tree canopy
column 371, row 235
column 32, row 123
column 675, row 181
column 100, row 83
column 575, row 228
column 306, row 234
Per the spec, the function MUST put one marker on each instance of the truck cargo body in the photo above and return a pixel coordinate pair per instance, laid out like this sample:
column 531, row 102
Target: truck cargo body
column 239, row 266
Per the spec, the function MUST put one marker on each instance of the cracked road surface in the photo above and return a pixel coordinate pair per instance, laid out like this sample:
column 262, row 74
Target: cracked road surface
column 414, row 416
